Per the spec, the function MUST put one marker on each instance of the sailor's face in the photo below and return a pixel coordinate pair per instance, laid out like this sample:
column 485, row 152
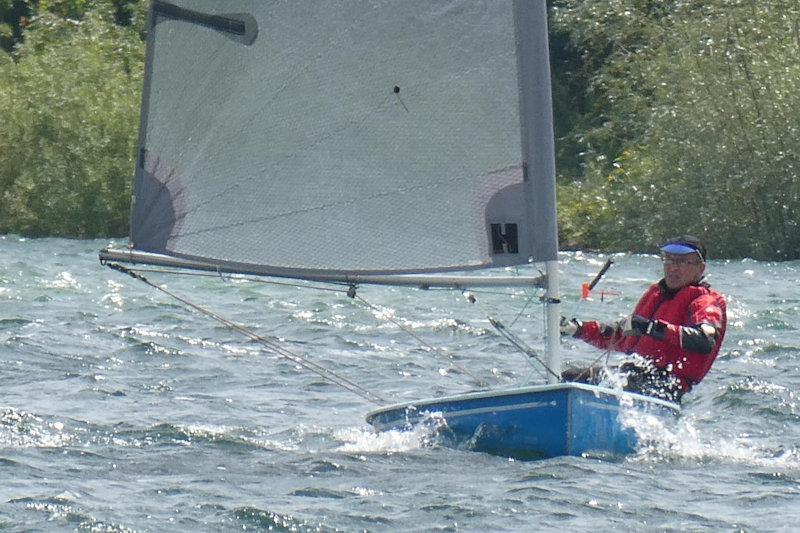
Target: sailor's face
column 682, row 270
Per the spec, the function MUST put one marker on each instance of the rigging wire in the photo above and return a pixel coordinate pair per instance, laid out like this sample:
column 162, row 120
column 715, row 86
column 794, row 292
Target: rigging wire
column 422, row 341
column 520, row 345
column 515, row 341
column 527, row 302
column 541, row 373
column 276, row 348
column 349, row 289
column 521, row 311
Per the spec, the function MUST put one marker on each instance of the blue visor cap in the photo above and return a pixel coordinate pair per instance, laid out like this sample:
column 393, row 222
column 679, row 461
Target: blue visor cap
column 680, row 249
column 684, row 245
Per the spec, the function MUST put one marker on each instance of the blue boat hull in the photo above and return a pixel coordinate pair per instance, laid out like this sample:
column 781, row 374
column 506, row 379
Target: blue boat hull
column 530, row 422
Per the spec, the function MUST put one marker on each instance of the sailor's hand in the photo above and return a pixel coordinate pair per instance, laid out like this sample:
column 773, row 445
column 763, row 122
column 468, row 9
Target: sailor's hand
column 571, row 327
column 635, row 326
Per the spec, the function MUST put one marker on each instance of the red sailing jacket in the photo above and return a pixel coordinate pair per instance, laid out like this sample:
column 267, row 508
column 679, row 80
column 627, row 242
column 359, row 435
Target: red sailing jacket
column 690, row 306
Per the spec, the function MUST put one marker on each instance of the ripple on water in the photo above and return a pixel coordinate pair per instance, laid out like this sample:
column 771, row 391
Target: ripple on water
column 19, row 429
column 271, row 521
column 64, row 509
column 13, row 323
column 770, row 399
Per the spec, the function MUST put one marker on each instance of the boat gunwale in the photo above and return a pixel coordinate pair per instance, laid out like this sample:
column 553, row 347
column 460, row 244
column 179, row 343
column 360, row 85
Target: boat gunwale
column 501, row 393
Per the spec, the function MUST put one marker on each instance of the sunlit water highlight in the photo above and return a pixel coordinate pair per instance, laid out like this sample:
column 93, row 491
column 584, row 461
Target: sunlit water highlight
column 124, row 411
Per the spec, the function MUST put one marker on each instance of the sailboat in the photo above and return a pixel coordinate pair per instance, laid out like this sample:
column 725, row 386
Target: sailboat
column 361, row 142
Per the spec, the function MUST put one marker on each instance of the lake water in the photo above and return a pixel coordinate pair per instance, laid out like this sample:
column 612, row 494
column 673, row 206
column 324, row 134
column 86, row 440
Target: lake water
column 123, row 410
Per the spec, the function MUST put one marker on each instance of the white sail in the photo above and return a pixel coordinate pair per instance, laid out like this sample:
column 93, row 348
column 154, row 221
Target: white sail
column 360, row 137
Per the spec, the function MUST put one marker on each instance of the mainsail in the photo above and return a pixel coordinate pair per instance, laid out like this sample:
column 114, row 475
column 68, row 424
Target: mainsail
column 363, row 137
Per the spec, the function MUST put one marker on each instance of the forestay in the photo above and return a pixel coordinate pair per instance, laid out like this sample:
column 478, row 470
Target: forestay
column 311, row 138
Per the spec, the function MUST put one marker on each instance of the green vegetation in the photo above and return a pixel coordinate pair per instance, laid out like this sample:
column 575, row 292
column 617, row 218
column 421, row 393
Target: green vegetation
column 672, row 116
column 689, row 124
column 70, row 93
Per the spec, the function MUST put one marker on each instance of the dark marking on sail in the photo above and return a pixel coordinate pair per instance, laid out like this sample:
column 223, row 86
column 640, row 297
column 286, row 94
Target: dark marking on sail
column 396, row 91
column 243, row 27
column 505, row 239
column 508, row 232
column 158, row 206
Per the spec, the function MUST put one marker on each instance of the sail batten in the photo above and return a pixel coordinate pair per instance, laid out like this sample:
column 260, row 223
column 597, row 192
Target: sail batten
column 366, row 136
column 239, row 25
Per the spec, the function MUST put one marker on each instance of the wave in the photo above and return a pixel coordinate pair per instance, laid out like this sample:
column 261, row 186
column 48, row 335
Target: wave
column 19, row 429
column 64, row 509
column 261, row 519
column 11, row 323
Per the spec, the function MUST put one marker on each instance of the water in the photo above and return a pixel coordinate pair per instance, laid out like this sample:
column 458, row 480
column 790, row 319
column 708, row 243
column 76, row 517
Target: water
column 122, row 410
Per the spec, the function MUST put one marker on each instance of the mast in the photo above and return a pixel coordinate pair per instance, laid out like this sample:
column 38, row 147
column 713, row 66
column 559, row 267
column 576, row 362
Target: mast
column 553, row 315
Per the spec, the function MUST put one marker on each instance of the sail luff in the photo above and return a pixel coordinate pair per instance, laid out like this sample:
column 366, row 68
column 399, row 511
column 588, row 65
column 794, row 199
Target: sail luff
column 538, row 146
column 536, row 114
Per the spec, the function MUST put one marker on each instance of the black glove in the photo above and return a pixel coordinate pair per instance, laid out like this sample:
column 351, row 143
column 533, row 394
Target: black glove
column 571, row 327
column 636, row 326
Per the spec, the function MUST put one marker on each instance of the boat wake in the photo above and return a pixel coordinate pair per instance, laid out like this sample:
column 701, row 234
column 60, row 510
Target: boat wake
column 681, row 440
column 367, row 440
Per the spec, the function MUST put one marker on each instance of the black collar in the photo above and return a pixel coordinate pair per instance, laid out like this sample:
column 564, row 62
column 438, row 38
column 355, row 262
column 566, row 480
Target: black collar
column 666, row 292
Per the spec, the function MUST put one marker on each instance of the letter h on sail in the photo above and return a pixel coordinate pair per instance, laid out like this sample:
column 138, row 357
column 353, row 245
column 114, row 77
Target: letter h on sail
column 504, row 239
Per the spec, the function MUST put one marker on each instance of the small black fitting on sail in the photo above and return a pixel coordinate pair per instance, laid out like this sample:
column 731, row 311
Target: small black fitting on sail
column 396, row 91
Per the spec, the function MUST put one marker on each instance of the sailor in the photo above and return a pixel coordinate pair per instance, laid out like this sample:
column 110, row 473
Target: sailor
column 676, row 329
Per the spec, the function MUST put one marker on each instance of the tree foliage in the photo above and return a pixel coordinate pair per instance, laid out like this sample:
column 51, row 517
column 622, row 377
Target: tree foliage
column 70, row 106
column 696, row 125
